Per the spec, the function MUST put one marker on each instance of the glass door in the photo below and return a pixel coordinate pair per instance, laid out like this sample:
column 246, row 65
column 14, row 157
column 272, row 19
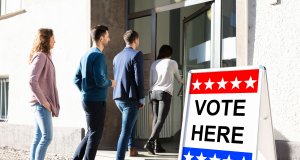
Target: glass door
column 144, row 22
column 197, row 40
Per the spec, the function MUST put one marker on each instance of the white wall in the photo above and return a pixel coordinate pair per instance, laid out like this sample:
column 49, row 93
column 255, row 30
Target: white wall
column 274, row 41
column 70, row 20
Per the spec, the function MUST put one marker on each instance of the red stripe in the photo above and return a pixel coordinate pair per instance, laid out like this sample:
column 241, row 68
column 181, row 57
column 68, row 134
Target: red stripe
column 241, row 75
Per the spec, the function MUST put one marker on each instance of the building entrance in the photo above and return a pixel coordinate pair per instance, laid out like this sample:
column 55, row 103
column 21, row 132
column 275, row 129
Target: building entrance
column 196, row 34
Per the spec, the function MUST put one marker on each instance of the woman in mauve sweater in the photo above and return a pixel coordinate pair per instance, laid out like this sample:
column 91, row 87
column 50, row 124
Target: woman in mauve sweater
column 44, row 100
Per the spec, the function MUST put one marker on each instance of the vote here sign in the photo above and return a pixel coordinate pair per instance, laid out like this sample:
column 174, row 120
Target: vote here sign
column 221, row 114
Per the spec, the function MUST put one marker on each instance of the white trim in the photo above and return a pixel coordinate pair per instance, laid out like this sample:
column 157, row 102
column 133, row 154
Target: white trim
column 242, row 24
column 12, row 14
column 212, row 34
column 216, row 27
column 227, row 69
column 182, row 4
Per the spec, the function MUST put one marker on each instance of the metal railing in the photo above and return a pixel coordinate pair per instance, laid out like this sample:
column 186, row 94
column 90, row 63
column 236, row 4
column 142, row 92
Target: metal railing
column 3, row 98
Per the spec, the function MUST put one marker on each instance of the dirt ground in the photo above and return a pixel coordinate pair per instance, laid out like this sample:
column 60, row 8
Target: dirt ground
column 8, row 153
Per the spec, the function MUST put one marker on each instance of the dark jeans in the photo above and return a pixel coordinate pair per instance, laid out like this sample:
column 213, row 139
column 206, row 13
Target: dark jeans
column 161, row 102
column 129, row 116
column 95, row 116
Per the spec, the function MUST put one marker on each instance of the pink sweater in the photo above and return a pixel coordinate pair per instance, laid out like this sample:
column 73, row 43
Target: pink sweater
column 42, row 82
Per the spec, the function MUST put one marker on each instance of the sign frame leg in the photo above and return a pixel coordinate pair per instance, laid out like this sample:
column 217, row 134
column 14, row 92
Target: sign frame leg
column 266, row 142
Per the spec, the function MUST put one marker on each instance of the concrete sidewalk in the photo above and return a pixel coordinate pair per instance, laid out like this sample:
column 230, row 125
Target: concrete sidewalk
column 111, row 155
column 171, row 147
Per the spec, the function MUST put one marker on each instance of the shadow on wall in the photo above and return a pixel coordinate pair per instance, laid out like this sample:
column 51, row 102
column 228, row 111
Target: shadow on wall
column 283, row 149
column 252, row 28
column 278, row 2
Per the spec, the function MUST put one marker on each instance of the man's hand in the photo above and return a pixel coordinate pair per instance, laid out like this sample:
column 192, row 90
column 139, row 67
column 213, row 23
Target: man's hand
column 113, row 83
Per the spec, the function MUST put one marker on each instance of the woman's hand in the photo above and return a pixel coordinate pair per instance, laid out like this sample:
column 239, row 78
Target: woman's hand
column 47, row 106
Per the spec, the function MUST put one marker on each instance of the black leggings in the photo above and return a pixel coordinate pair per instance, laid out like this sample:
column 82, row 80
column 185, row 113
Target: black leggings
column 161, row 102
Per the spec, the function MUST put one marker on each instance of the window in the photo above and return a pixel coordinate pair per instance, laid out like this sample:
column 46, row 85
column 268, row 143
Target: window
column 139, row 5
column 197, row 39
column 3, row 97
column 143, row 27
column 10, row 6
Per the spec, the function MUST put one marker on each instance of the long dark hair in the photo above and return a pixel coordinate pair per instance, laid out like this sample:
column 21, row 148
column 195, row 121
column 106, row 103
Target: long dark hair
column 165, row 51
column 41, row 42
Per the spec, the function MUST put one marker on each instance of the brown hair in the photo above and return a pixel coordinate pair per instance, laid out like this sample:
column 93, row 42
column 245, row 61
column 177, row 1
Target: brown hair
column 97, row 32
column 129, row 36
column 165, row 51
column 41, row 42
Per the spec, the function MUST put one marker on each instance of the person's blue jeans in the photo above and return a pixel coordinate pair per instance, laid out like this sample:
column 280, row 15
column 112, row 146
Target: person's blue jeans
column 129, row 111
column 43, row 132
column 95, row 112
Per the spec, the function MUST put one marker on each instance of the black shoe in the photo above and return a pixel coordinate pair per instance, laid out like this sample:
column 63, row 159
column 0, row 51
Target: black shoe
column 149, row 146
column 158, row 148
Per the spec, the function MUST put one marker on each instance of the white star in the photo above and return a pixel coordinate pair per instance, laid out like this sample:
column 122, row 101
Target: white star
column 222, row 83
column 250, row 82
column 244, row 158
column 214, row 158
column 201, row 157
column 196, row 85
column 235, row 83
column 188, row 156
column 228, row 158
column 209, row 84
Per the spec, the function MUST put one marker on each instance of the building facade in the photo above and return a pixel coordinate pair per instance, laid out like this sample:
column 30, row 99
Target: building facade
column 203, row 34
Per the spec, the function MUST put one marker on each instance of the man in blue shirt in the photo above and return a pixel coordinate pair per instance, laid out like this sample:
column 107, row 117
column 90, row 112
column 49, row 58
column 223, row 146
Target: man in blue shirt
column 129, row 91
column 92, row 80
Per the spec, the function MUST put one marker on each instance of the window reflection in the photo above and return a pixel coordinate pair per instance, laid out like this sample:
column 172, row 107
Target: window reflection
column 140, row 5
column 228, row 54
column 197, row 41
column 143, row 27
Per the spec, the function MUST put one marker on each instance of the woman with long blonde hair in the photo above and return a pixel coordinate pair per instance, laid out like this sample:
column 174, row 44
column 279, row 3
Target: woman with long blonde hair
column 44, row 101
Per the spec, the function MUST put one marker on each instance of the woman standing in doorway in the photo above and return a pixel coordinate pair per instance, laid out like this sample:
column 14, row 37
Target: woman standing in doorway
column 162, row 73
column 44, row 101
